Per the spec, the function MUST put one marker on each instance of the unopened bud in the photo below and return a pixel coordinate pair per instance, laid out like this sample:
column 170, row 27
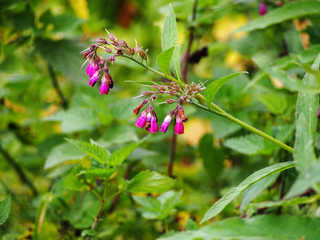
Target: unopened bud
column 169, row 101
column 108, row 50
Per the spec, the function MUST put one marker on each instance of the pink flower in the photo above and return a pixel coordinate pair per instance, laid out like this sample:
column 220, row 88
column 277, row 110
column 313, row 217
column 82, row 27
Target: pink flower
column 154, row 125
column 165, row 124
column 92, row 69
column 104, row 88
column 142, row 120
column 179, row 128
column 263, row 9
column 94, row 78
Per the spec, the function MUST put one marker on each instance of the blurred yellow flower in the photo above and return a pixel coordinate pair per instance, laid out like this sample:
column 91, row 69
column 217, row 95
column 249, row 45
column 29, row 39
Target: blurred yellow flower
column 195, row 128
column 225, row 25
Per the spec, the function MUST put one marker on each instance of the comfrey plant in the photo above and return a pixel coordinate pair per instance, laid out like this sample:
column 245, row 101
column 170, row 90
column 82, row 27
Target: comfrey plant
column 148, row 119
column 179, row 91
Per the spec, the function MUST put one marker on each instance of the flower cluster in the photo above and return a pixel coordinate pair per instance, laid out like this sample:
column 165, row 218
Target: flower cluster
column 98, row 66
column 148, row 118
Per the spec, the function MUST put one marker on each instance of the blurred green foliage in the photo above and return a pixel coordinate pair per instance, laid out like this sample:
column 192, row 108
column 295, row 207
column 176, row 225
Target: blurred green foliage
column 62, row 144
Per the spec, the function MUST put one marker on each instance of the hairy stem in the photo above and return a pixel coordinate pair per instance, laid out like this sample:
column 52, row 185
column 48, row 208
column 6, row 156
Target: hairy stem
column 56, row 86
column 23, row 177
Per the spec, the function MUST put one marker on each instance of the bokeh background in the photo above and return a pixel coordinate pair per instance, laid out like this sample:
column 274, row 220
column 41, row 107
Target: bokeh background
column 45, row 98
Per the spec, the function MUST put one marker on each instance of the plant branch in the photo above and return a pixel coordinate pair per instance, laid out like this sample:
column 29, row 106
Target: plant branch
column 23, row 177
column 217, row 110
column 56, row 86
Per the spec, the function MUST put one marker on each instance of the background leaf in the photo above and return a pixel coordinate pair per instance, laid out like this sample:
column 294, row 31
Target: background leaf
column 149, row 182
column 5, row 207
column 289, row 11
column 267, row 227
column 233, row 192
column 164, row 60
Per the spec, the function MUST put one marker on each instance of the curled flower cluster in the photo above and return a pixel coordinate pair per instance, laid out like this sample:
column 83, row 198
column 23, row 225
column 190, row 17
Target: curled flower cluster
column 98, row 66
column 148, row 118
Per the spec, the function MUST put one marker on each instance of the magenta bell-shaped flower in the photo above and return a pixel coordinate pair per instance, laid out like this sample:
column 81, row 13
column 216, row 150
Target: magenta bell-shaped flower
column 142, row 120
column 92, row 69
column 179, row 128
column 166, row 123
column 154, row 125
column 263, row 9
column 104, row 88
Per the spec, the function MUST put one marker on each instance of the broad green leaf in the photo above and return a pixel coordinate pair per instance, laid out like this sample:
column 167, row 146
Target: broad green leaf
column 253, row 178
column 61, row 154
column 164, row 60
column 169, row 39
column 306, row 179
column 75, row 119
column 212, row 157
column 250, row 144
column 98, row 172
column 160, row 207
column 150, row 182
column 93, row 150
column 275, row 103
column 213, row 87
column 256, row 189
column 288, row 11
column 73, row 183
column 64, row 56
column 119, row 134
column 118, row 156
column 5, row 207
column 263, row 227
column 306, row 122
column 88, row 232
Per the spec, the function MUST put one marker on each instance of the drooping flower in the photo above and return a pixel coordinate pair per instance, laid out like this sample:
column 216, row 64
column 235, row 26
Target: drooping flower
column 154, row 125
column 142, row 120
column 104, row 88
column 262, row 8
column 92, row 69
column 94, row 78
column 166, row 122
column 178, row 128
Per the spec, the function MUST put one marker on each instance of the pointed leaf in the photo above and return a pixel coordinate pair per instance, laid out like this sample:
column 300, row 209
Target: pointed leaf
column 98, row 172
column 233, row 192
column 118, row 156
column 263, row 227
column 213, row 87
column 5, row 207
column 288, row 11
column 306, row 122
column 93, row 150
column 150, row 182
column 164, row 60
column 169, row 39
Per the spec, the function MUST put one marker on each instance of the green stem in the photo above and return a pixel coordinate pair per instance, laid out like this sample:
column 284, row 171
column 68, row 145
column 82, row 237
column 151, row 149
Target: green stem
column 216, row 109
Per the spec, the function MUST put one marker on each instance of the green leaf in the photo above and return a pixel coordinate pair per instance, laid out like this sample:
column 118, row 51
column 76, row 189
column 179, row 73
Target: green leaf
column 306, row 123
column 275, row 103
column 213, row 87
column 306, row 179
column 256, row 189
column 250, row 144
column 61, row 154
column 118, row 156
column 169, row 39
column 73, row 183
column 160, row 207
column 75, row 119
column 88, row 232
column 150, row 182
column 98, row 172
column 212, row 157
column 264, row 227
column 233, row 192
column 93, row 150
column 64, row 56
column 191, row 225
column 164, row 60
column 288, row 11
column 5, row 207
